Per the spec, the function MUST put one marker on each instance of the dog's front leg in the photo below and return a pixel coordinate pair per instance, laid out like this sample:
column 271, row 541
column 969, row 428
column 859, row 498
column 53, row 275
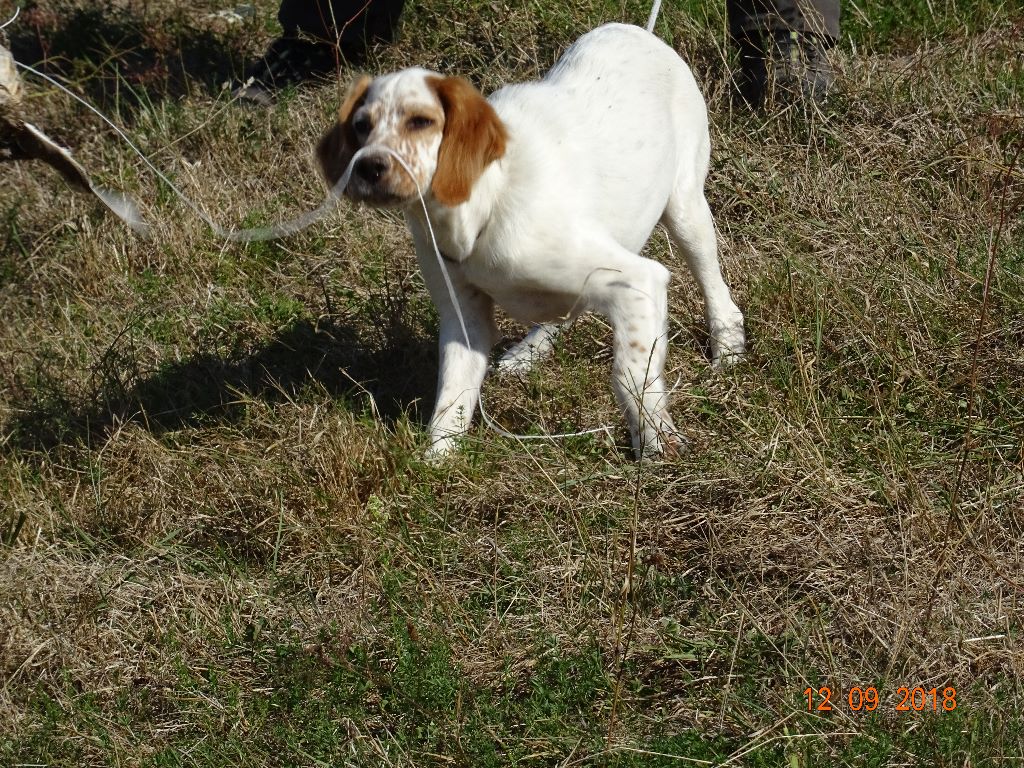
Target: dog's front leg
column 462, row 368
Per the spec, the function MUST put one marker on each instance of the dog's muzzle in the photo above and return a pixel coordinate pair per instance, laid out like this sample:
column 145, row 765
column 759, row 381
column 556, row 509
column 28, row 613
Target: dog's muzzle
column 375, row 180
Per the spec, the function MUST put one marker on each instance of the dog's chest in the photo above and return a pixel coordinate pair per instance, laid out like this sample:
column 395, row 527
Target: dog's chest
column 524, row 285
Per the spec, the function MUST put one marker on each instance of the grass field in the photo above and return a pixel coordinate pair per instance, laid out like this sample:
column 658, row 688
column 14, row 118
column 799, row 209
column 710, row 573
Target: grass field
column 218, row 542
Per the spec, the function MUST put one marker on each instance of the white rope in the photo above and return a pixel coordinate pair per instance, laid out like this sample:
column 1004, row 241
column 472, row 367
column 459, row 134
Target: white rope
column 120, row 133
column 128, row 211
column 433, row 241
column 11, row 20
column 653, row 18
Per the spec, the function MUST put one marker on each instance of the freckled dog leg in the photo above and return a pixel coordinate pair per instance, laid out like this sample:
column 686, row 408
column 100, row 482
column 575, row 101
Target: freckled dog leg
column 534, row 347
column 632, row 292
column 688, row 220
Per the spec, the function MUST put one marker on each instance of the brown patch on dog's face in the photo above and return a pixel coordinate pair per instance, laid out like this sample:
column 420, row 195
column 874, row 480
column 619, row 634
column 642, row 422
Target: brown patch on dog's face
column 337, row 146
column 409, row 127
column 395, row 114
column 474, row 137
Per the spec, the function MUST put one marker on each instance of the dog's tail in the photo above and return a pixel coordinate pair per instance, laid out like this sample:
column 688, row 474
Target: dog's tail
column 653, row 18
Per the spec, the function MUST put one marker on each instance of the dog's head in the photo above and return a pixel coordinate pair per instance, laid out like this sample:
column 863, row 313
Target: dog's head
column 442, row 127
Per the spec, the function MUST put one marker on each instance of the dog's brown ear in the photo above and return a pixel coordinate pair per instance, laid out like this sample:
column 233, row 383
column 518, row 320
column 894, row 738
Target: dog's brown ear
column 473, row 138
column 336, row 147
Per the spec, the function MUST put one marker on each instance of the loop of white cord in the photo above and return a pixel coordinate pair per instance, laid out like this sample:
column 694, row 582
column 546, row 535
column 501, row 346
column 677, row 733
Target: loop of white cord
column 491, row 423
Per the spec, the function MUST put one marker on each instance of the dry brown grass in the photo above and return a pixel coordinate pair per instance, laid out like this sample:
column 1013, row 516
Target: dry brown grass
column 215, row 522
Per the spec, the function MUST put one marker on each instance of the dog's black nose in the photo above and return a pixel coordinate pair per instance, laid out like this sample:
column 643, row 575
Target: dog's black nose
column 370, row 168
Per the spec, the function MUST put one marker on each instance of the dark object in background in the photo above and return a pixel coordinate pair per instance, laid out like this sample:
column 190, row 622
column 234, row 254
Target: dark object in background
column 782, row 44
column 783, row 48
column 317, row 35
column 360, row 21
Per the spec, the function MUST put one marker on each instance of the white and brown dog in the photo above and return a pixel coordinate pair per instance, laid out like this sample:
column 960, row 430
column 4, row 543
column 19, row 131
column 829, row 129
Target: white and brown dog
column 541, row 198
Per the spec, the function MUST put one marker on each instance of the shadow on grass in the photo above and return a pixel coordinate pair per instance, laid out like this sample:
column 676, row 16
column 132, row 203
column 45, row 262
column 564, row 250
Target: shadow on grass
column 207, row 389
column 120, row 57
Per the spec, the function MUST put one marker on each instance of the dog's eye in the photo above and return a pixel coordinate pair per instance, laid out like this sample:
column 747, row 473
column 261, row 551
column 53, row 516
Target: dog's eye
column 362, row 126
column 419, row 122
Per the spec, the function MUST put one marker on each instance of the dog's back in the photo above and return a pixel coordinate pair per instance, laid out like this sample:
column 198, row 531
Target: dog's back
column 620, row 118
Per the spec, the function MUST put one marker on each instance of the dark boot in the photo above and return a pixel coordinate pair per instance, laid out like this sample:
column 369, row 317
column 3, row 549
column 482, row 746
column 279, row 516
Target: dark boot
column 783, row 66
column 288, row 60
column 752, row 80
column 800, row 65
column 318, row 36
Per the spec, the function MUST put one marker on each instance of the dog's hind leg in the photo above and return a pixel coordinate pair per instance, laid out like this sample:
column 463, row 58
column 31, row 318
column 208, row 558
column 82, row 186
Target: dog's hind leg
column 689, row 223
column 632, row 292
column 534, row 347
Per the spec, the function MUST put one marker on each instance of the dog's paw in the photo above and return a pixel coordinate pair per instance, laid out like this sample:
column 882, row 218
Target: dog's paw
column 661, row 443
column 520, row 358
column 728, row 343
column 441, row 449
column 513, row 365
column 673, row 445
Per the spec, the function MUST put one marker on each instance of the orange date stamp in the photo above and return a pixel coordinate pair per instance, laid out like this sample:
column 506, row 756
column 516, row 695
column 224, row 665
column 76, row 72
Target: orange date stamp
column 858, row 699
